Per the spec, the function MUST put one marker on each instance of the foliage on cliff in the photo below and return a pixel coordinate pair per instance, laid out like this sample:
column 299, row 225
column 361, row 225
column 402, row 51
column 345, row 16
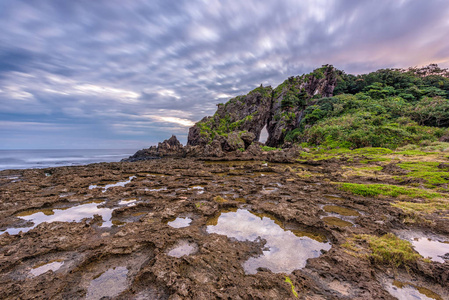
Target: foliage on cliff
column 387, row 108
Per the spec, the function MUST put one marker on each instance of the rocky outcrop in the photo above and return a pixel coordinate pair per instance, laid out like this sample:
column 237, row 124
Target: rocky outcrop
column 292, row 97
column 168, row 148
column 239, row 122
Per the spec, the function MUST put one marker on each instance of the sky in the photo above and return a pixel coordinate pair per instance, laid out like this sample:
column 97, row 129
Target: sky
column 114, row 74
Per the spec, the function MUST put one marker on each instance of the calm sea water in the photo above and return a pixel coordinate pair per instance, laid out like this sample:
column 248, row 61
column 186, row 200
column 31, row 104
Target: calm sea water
column 25, row 159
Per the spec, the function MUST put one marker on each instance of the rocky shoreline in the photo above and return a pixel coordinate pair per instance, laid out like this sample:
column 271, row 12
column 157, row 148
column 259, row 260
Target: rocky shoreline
column 128, row 246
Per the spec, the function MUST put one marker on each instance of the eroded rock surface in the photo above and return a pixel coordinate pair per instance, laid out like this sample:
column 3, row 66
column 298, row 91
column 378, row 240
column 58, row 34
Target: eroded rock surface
column 135, row 249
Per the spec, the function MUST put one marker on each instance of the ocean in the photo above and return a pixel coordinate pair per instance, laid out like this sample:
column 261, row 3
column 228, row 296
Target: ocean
column 26, row 159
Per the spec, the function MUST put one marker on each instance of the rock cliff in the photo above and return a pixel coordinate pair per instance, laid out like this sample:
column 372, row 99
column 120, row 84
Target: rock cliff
column 239, row 122
column 168, row 148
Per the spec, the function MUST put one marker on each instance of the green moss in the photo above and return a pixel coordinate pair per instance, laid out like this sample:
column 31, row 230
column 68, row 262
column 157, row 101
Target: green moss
column 372, row 190
column 288, row 280
column 428, row 171
column 267, row 148
column 391, row 250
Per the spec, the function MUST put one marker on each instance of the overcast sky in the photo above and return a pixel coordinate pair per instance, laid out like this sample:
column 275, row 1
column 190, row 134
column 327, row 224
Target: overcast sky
column 127, row 74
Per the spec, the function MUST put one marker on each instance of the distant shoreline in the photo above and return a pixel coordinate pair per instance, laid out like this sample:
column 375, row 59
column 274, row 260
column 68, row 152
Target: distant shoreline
column 47, row 158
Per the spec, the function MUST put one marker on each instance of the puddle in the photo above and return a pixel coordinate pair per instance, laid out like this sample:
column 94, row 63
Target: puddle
column 182, row 248
column 268, row 190
column 431, row 246
column 180, row 222
column 149, row 174
column 198, row 188
column 334, row 221
column 333, row 198
column 107, row 186
column 66, row 195
column 343, row 211
column 156, row 190
column 407, row 291
column 286, row 251
column 41, row 269
column 108, row 284
column 435, row 250
column 71, row 214
column 129, row 202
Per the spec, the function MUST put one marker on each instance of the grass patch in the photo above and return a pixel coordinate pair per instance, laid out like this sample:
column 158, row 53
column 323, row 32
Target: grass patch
column 428, row 171
column 391, row 250
column 267, row 148
column 372, row 190
column 427, row 207
column 387, row 249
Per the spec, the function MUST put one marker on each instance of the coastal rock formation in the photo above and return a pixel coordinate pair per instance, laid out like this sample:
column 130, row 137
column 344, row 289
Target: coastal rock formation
column 292, row 97
column 239, row 122
column 168, row 148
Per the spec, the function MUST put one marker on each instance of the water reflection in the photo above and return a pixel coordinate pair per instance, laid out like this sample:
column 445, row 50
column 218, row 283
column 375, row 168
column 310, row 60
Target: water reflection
column 435, row 250
column 106, row 187
column 182, row 248
column 286, row 251
column 71, row 214
column 180, row 222
column 108, row 284
column 407, row 291
column 41, row 269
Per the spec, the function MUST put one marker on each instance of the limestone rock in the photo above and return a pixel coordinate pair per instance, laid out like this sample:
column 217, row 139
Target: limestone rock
column 168, row 148
column 247, row 113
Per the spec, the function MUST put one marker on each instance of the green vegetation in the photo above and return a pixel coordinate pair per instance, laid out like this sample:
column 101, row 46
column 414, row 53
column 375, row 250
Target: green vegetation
column 387, row 108
column 427, row 171
column 427, row 207
column 288, row 280
column 267, row 148
column 387, row 249
column 372, row 190
column 391, row 250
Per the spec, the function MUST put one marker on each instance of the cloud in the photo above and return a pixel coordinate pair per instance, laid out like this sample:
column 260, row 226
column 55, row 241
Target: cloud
column 106, row 63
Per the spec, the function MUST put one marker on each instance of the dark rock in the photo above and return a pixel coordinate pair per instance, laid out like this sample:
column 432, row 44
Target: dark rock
column 242, row 114
column 443, row 166
column 292, row 97
column 237, row 124
column 168, row 148
column 444, row 138
column 394, row 169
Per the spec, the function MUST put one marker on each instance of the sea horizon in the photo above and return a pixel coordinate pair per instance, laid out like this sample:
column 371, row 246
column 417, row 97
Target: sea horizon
column 45, row 158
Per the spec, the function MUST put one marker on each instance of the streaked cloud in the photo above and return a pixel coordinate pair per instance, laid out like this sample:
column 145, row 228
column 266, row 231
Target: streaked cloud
column 139, row 71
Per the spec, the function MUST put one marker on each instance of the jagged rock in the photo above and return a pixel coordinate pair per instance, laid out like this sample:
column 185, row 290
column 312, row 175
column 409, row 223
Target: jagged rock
column 254, row 149
column 281, row 110
column 248, row 138
column 243, row 113
column 168, row 148
column 292, row 97
column 237, row 124
column 213, row 149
